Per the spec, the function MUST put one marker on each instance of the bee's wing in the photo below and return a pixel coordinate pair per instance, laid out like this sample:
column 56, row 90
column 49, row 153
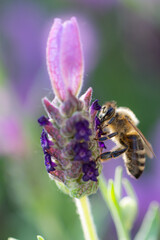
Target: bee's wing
column 148, row 147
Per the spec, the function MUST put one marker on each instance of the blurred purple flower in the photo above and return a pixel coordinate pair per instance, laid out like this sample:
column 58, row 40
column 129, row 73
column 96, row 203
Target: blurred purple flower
column 21, row 27
column 24, row 30
column 12, row 140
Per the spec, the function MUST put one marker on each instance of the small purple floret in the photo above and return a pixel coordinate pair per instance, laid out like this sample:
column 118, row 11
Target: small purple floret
column 50, row 166
column 43, row 121
column 90, row 171
column 82, row 130
column 97, row 124
column 82, row 153
column 47, row 159
column 102, row 145
column 95, row 105
column 45, row 142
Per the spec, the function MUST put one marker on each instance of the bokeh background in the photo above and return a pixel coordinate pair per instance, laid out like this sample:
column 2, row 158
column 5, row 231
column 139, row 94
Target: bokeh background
column 121, row 41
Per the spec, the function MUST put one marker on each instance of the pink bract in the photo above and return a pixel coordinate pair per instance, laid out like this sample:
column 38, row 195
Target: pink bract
column 65, row 58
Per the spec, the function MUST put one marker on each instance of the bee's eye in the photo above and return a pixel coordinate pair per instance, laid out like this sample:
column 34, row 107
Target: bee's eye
column 110, row 111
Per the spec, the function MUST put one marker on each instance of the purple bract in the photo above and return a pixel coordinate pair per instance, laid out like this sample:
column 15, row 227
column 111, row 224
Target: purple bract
column 43, row 121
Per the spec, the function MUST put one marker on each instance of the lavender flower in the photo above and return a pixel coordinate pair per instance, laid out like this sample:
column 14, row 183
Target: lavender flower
column 90, row 171
column 82, row 130
column 43, row 121
column 82, row 152
column 22, row 54
column 68, row 137
column 12, row 136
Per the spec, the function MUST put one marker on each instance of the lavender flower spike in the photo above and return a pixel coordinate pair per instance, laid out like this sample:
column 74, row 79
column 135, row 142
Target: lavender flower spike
column 69, row 132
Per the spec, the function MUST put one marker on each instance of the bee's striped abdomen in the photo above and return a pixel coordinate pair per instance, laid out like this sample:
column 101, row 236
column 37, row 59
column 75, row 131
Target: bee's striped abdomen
column 135, row 155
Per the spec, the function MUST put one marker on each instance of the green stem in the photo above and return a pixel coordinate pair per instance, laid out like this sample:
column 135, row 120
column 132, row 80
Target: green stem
column 108, row 193
column 84, row 211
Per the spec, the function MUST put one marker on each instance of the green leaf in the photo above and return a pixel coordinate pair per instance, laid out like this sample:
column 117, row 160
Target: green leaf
column 129, row 189
column 103, row 187
column 129, row 211
column 150, row 226
column 12, row 238
column 129, row 205
column 118, row 182
column 40, row 238
column 108, row 193
column 116, row 213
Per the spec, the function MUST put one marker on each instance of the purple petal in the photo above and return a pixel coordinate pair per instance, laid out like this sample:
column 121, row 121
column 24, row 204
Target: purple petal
column 82, row 130
column 97, row 122
column 95, row 105
column 90, row 171
column 65, row 58
column 85, row 178
column 102, row 145
column 94, row 178
column 43, row 121
column 85, row 168
column 47, row 159
column 96, row 173
column 94, row 108
column 53, row 59
column 71, row 56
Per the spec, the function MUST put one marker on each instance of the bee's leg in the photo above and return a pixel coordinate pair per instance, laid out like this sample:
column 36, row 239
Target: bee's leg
column 109, row 122
column 108, row 155
column 109, row 136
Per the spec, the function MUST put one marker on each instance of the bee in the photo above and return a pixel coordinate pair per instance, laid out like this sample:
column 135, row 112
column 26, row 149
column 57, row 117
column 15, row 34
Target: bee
column 120, row 123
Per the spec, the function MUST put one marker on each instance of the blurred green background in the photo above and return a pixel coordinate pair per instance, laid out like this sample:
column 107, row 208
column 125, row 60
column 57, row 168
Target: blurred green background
column 121, row 41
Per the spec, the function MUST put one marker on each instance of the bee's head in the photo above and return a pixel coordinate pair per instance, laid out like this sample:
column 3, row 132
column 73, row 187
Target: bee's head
column 107, row 111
